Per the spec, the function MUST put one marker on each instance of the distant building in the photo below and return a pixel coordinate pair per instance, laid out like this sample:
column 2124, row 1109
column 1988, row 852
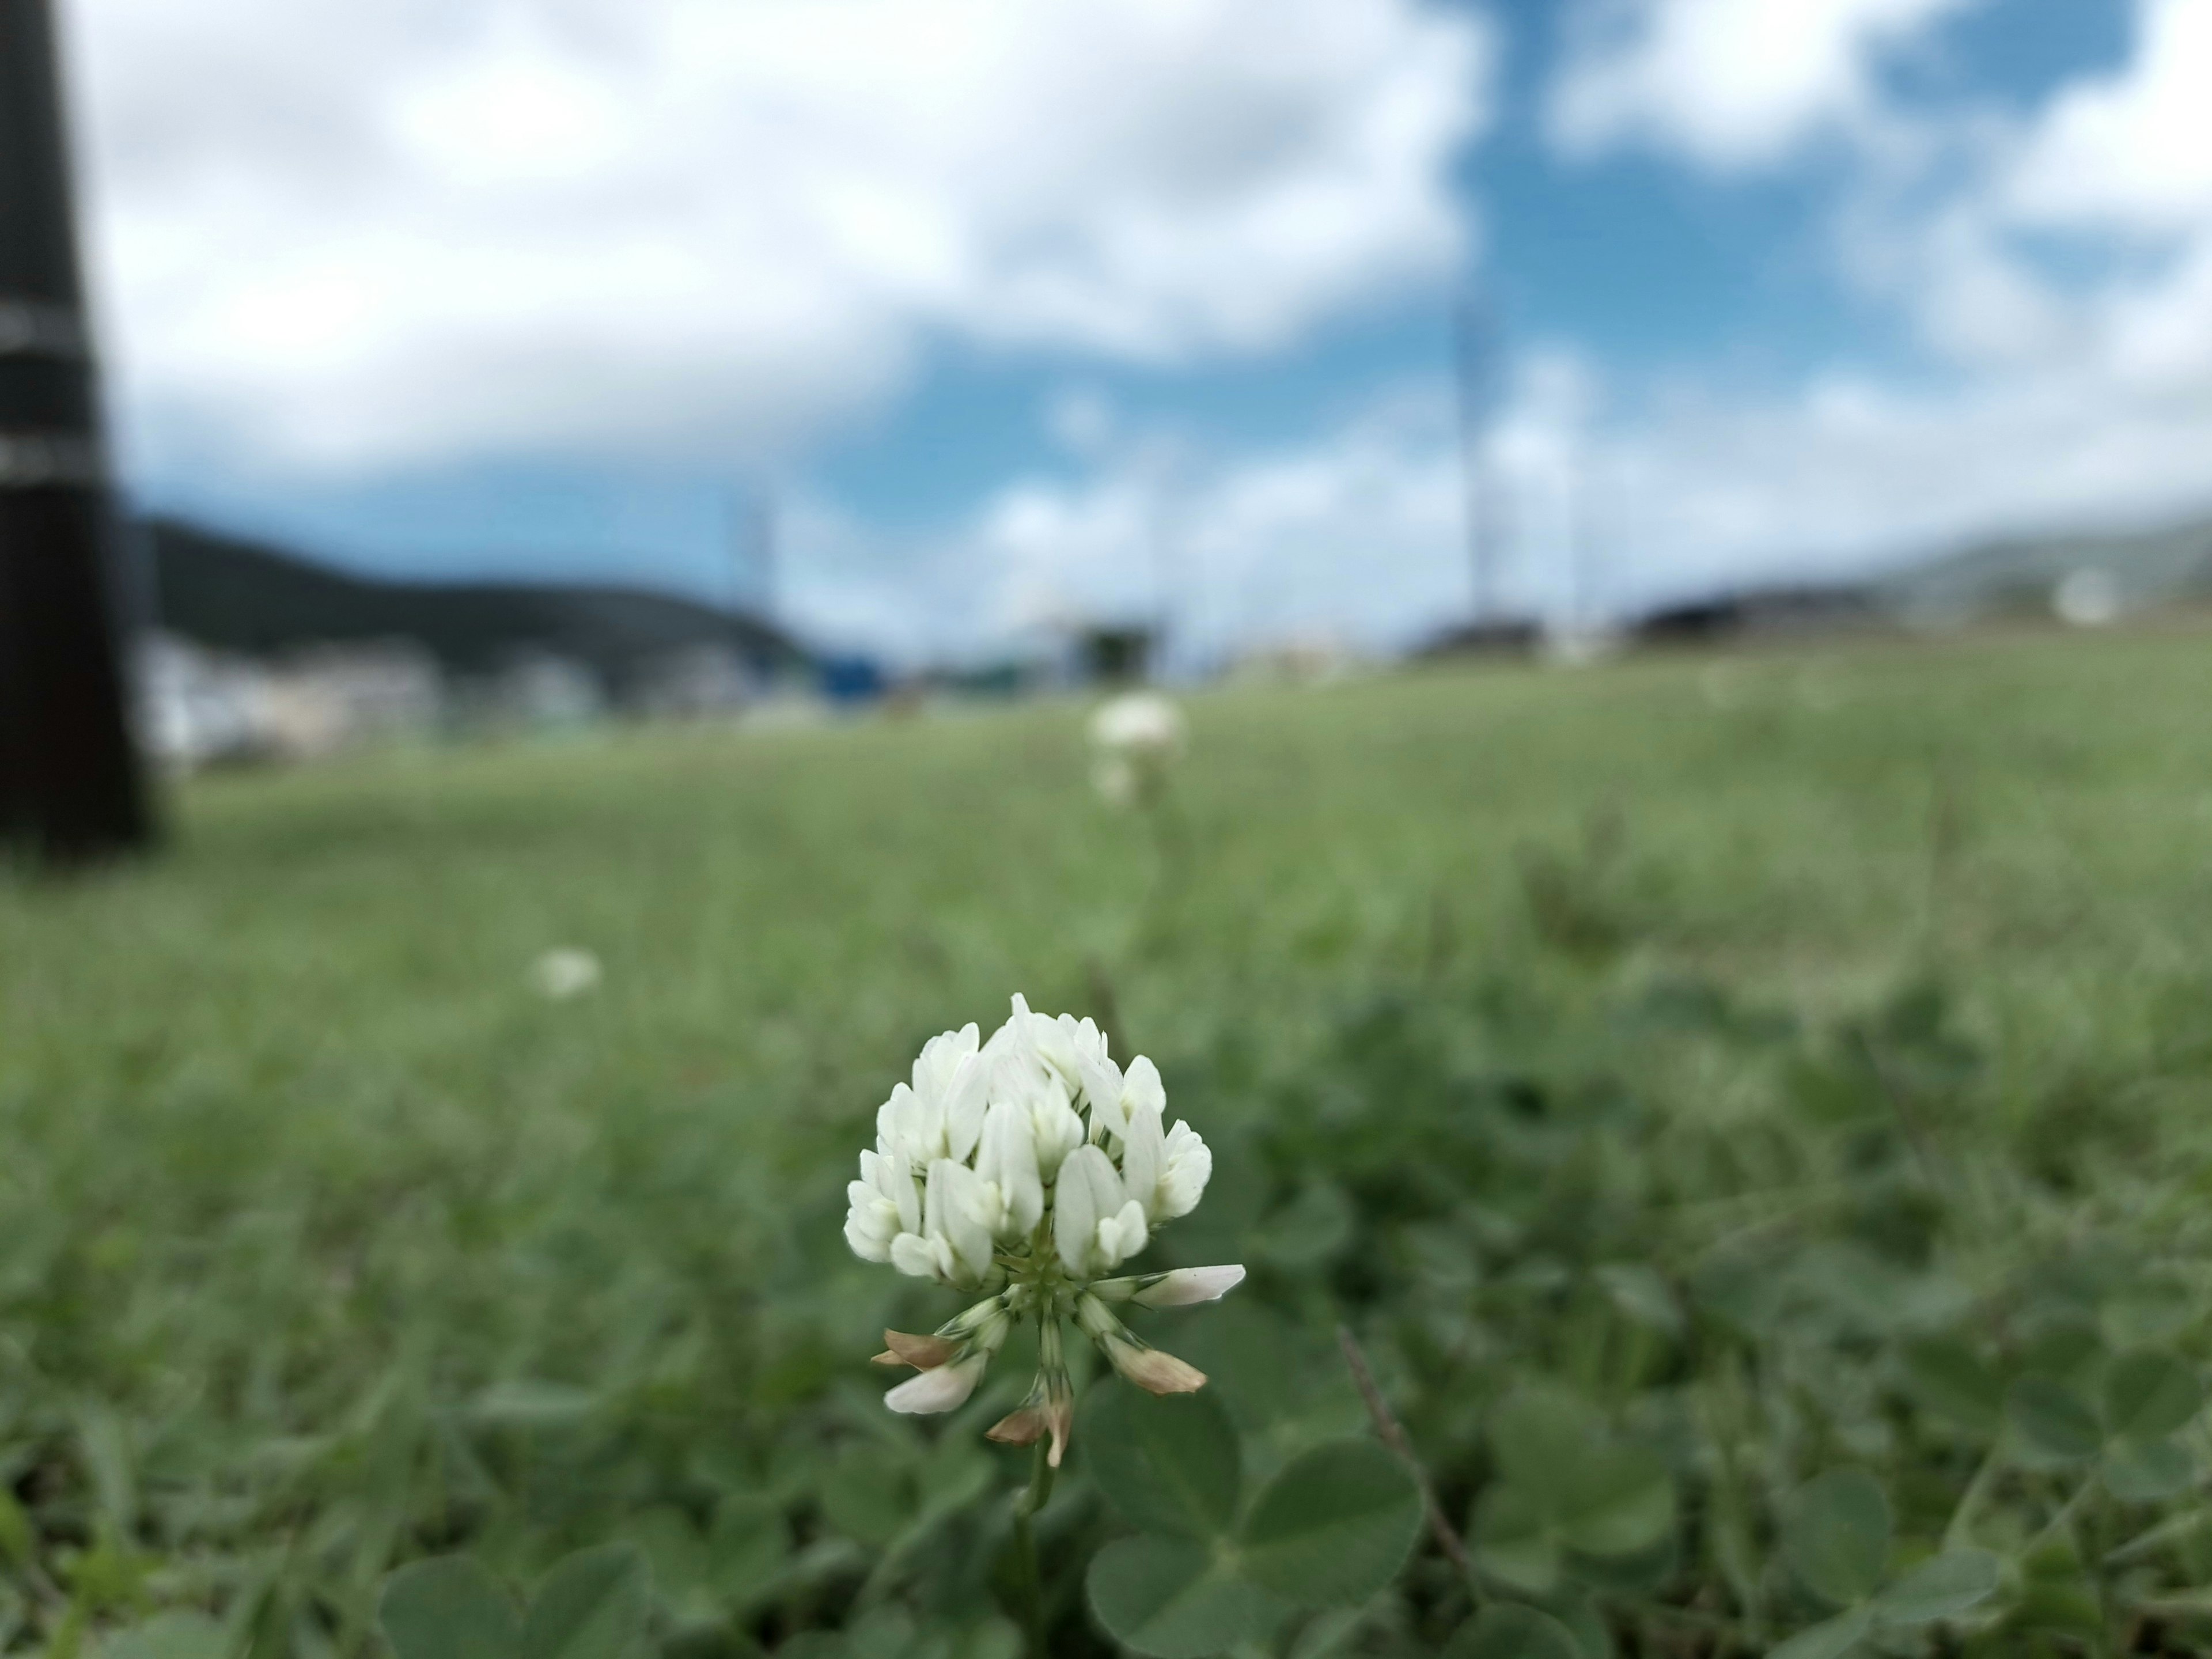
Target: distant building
column 204, row 707
column 1304, row 661
column 850, row 680
column 696, row 682
column 540, row 691
column 338, row 697
column 198, row 707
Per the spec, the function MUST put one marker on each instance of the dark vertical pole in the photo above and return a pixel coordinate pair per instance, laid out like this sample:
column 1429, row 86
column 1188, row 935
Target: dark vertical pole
column 70, row 786
column 1474, row 350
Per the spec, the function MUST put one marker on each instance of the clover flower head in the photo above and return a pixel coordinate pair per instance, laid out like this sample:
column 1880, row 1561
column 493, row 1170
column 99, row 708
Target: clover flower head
column 558, row 975
column 1028, row 1169
column 1135, row 740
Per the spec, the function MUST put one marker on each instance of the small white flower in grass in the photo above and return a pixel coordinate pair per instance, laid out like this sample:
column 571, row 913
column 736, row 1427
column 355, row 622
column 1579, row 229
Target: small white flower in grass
column 1135, row 740
column 1030, row 1167
column 1138, row 722
column 557, row 976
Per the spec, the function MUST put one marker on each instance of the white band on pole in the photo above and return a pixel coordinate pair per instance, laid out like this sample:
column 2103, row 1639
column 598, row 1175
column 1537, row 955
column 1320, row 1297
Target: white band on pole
column 37, row 460
column 31, row 328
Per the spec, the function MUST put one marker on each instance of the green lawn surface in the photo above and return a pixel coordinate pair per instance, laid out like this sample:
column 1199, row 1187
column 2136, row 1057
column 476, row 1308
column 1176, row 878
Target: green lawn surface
column 329, row 1243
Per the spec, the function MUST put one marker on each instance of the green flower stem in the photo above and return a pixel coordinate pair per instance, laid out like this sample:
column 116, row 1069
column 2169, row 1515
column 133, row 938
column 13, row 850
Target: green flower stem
column 1971, row 1500
column 1033, row 1497
column 1026, row 1505
column 2066, row 1512
column 2165, row 1532
column 1387, row 1429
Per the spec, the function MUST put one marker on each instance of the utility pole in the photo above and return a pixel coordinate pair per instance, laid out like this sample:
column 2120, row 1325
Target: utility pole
column 1582, row 528
column 70, row 785
column 761, row 520
column 1475, row 355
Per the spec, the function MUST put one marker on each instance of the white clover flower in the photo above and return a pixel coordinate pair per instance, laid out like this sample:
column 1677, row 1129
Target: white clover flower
column 1135, row 740
column 1030, row 1167
column 557, row 976
column 1138, row 722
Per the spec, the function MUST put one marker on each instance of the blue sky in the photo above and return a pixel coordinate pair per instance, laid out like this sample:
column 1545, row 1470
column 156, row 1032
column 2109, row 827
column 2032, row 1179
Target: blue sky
column 1151, row 306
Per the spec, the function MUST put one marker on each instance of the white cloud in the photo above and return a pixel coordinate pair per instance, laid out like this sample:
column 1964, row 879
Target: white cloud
column 2079, row 392
column 353, row 236
column 1849, row 473
column 1359, row 534
column 1732, row 84
column 1354, row 535
column 2123, row 163
column 2134, row 149
column 2075, row 241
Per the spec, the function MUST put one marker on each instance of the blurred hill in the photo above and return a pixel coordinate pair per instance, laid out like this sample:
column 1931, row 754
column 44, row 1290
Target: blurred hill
column 2130, row 570
column 244, row 596
column 2080, row 576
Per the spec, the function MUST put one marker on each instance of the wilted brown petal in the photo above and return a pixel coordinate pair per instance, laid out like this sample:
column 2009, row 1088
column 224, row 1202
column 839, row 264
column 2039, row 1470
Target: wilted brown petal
column 922, row 1352
column 1025, row 1427
column 1160, row 1373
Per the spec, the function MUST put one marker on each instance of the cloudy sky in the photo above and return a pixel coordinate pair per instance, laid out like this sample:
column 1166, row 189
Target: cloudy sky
column 1023, row 309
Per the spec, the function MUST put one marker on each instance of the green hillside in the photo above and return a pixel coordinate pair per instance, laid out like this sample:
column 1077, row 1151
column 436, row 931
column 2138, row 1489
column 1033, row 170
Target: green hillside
column 243, row 596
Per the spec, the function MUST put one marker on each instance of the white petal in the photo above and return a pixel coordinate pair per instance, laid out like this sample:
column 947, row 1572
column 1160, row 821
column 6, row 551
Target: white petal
column 1122, row 1235
column 1144, row 1160
column 1189, row 1167
column 1186, row 1286
column 940, row 1059
column 965, row 1094
column 1141, row 1088
column 908, row 1123
column 939, row 1390
column 1081, row 1048
column 1088, row 1193
column 1007, row 1157
column 899, row 1176
column 959, row 1213
column 1058, row 1129
column 911, row 1254
column 867, row 1241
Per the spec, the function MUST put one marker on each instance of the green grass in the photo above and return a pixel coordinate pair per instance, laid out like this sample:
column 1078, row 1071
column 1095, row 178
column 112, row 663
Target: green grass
column 328, row 1244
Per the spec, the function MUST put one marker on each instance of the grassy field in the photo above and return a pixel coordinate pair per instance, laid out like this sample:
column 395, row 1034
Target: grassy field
column 1802, row 1063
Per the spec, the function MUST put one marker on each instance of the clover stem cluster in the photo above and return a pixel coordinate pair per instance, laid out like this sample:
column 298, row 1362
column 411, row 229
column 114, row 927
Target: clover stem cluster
column 1028, row 1168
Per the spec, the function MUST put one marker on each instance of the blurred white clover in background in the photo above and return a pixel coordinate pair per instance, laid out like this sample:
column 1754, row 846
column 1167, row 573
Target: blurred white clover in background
column 559, row 975
column 1031, row 1167
column 1135, row 740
